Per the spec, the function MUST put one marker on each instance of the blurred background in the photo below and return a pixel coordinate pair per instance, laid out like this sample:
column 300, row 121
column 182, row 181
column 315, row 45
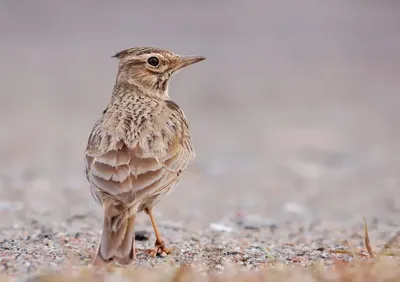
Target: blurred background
column 295, row 110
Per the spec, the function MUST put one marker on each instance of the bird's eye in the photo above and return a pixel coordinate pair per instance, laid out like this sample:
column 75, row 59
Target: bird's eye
column 153, row 61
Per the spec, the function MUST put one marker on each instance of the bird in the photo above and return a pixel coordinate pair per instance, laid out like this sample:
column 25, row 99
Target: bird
column 138, row 149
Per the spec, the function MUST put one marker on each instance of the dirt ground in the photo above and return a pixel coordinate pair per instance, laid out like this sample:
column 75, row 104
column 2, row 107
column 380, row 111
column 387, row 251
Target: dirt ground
column 294, row 117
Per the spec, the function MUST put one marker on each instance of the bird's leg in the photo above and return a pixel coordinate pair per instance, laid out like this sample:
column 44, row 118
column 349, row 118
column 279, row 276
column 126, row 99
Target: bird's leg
column 159, row 245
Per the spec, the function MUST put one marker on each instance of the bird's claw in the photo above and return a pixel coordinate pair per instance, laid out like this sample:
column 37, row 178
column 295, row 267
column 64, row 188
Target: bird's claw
column 159, row 249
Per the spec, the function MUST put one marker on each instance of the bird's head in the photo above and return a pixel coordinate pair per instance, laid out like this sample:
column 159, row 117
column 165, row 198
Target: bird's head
column 150, row 69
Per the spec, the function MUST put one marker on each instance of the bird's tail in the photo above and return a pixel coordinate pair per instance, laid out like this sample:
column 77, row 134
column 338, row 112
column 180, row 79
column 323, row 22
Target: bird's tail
column 118, row 239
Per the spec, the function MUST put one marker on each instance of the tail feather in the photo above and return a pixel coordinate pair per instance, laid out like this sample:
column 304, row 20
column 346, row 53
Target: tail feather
column 127, row 247
column 118, row 240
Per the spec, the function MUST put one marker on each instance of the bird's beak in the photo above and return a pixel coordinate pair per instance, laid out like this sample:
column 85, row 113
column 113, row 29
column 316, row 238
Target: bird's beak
column 185, row 61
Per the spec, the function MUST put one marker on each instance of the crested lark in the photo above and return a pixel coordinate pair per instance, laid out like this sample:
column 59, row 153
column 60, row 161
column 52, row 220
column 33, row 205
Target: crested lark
column 138, row 149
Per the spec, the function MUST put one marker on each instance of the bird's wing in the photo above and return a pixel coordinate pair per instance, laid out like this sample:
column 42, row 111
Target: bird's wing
column 141, row 162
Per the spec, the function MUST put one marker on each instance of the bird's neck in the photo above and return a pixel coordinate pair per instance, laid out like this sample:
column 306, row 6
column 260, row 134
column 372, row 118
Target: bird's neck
column 125, row 88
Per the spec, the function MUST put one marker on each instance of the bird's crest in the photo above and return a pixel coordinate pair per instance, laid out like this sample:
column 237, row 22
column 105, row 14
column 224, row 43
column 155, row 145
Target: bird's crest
column 137, row 51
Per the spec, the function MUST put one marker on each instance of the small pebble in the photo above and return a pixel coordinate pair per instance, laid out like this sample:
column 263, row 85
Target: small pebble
column 220, row 227
column 292, row 207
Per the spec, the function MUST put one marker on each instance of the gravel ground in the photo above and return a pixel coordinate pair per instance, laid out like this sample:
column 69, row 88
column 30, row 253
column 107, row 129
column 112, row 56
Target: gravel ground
column 247, row 242
column 293, row 116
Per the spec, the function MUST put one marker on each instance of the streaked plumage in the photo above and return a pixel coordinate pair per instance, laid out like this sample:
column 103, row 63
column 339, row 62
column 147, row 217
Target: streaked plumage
column 139, row 147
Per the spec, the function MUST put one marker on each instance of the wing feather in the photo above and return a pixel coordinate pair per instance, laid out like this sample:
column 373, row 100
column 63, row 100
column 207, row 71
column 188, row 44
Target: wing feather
column 148, row 159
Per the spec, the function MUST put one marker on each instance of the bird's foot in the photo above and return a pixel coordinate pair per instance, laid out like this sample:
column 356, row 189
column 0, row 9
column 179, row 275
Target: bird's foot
column 159, row 249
